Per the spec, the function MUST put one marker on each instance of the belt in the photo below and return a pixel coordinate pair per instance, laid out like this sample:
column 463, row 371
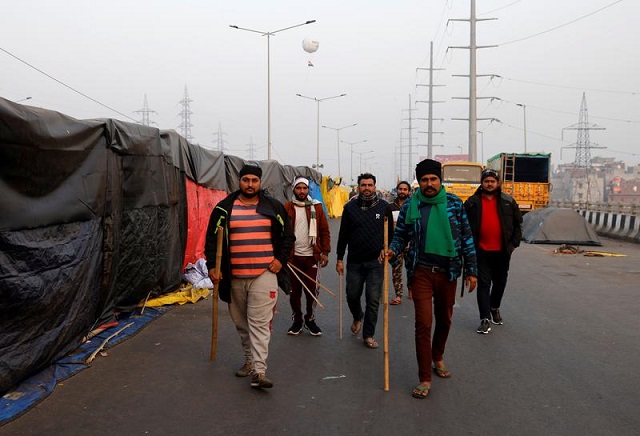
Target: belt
column 434, row 269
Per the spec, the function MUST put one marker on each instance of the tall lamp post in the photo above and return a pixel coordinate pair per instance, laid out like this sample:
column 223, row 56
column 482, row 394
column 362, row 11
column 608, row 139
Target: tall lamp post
column 524, row 115
column 351, row 160
column 337, row 129
column 318, row 101
column 361, row 153
column 268, row 35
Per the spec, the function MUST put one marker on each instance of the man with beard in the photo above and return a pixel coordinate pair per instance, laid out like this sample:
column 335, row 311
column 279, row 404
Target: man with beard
column 403, row 190
column 435, row 226
column 257, row 243
column 362, row 230
column 312, row 247
column 496, row 223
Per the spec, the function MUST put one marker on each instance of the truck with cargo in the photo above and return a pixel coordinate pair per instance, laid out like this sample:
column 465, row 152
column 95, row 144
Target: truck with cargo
column 524, row 176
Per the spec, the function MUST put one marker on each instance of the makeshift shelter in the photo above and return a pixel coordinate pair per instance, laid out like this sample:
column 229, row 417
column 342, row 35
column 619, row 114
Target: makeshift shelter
column 98, row 215
column 554, row 225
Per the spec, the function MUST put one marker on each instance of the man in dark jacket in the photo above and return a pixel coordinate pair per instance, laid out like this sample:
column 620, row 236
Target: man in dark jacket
column 496, row 223
column 257, row 242
column 362, row 230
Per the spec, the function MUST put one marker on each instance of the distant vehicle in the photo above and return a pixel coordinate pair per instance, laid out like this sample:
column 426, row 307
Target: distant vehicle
column 461, row 178
column 524, row 176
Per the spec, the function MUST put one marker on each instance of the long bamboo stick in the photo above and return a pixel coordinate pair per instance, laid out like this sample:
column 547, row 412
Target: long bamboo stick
column 310, row 278
column 214, row 296
column 385, row 303
column 305, row 286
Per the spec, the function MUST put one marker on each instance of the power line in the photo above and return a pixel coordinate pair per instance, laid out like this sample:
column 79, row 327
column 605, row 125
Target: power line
column 67, row 86
column 561, row 25
column 568, row 87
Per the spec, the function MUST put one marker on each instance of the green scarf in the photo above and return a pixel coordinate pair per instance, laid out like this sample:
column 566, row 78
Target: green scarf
column 438, row 238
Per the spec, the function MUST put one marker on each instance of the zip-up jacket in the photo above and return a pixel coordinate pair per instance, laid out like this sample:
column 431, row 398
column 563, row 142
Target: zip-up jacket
column 460, row 231
column 508, row 213
column 323, row 240
column 282, row 238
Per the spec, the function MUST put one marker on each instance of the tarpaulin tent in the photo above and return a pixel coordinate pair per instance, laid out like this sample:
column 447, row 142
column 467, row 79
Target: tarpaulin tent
column 554, row 225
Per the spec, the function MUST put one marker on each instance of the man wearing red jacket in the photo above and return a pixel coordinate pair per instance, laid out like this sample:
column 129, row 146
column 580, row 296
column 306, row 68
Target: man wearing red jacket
column 312, row 246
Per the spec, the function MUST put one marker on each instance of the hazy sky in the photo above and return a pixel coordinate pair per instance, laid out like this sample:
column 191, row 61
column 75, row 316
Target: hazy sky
column 549, row 52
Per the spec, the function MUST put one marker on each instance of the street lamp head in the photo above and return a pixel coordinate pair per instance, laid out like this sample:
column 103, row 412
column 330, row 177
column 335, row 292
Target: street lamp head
column 235, row 27
column 310, row 21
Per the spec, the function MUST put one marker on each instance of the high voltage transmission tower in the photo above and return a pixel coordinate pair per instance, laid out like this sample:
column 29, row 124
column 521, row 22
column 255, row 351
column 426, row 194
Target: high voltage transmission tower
column 145, row 111
column 251, row 151
column 430, row 118
column 220, row 142
column 185, row 116
column 583, row 172
column 473, row 118
column 410, row 137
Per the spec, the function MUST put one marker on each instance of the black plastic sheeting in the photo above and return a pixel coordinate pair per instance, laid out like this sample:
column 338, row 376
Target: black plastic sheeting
column 93, row 219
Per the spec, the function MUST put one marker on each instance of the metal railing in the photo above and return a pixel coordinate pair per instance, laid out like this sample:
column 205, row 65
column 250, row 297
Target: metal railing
column 622, row 208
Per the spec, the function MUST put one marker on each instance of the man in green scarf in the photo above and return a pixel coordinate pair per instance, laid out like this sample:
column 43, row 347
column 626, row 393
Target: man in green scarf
column 435, row 226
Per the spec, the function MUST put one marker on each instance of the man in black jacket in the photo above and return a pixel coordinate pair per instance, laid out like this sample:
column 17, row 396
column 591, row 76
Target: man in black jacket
column 496, row 224
column 257, row 241
column 362, row 230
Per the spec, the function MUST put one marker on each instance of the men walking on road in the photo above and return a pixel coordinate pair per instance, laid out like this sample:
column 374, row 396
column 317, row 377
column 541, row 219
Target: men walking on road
column 258, row 241
column 496, row 224
column 312, row 247
column 403, row 191
column 435, row 226
column 362, row 231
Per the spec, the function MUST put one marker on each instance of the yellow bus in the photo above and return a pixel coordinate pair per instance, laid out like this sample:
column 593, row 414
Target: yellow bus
column 461, row 178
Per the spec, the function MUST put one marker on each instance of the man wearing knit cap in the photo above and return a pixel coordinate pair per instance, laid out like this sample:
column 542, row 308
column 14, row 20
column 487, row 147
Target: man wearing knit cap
column 257, row 241
column 362, row 230
column 496, row 224
column 434, row 224
column 312, row 247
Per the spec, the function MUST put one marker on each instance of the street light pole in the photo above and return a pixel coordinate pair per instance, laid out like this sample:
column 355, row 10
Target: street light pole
column 268, row 35
column 524, row 114
column 351, row 160
column 481, row 145
column 337, row 129
column 318, row 101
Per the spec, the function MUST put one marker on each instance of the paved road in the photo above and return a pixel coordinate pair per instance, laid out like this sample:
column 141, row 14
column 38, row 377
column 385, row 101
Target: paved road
column 564, row 363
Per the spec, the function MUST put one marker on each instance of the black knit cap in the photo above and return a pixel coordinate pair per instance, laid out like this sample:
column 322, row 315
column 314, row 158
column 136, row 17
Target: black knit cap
column 489, row 172
column 251, row 169
column 428, row 166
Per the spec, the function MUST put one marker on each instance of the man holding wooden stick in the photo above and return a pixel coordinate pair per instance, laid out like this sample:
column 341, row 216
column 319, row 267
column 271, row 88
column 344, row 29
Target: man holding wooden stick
column 258, row 241
column 312, row 247
column 435, row 226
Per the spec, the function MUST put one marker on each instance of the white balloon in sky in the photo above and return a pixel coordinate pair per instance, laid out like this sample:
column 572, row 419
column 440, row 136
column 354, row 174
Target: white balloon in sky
column 310, row 45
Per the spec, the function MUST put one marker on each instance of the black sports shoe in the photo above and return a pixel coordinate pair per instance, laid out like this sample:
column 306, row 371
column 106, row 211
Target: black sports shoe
column 295, row 328
column 495, row 317
column 485, row 327
column 260, row 381
column 313, row 328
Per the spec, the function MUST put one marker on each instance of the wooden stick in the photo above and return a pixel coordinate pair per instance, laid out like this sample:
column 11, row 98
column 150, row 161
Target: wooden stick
column 340, row 303
column 102, row 345
column 386, row 307
column 214, row 296
column 305, row 286
column 310, row 278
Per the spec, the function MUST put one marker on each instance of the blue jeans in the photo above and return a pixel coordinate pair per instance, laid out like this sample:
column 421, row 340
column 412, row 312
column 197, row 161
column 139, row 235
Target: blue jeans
column 365, row 277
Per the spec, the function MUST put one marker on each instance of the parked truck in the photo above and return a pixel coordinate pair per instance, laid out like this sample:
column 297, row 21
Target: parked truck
column 524, row 176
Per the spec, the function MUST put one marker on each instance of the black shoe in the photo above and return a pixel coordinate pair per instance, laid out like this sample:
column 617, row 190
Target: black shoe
column 485, row 327
column 495, row 317
column 260, row 381
column 313, row 328
column 295, row 328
